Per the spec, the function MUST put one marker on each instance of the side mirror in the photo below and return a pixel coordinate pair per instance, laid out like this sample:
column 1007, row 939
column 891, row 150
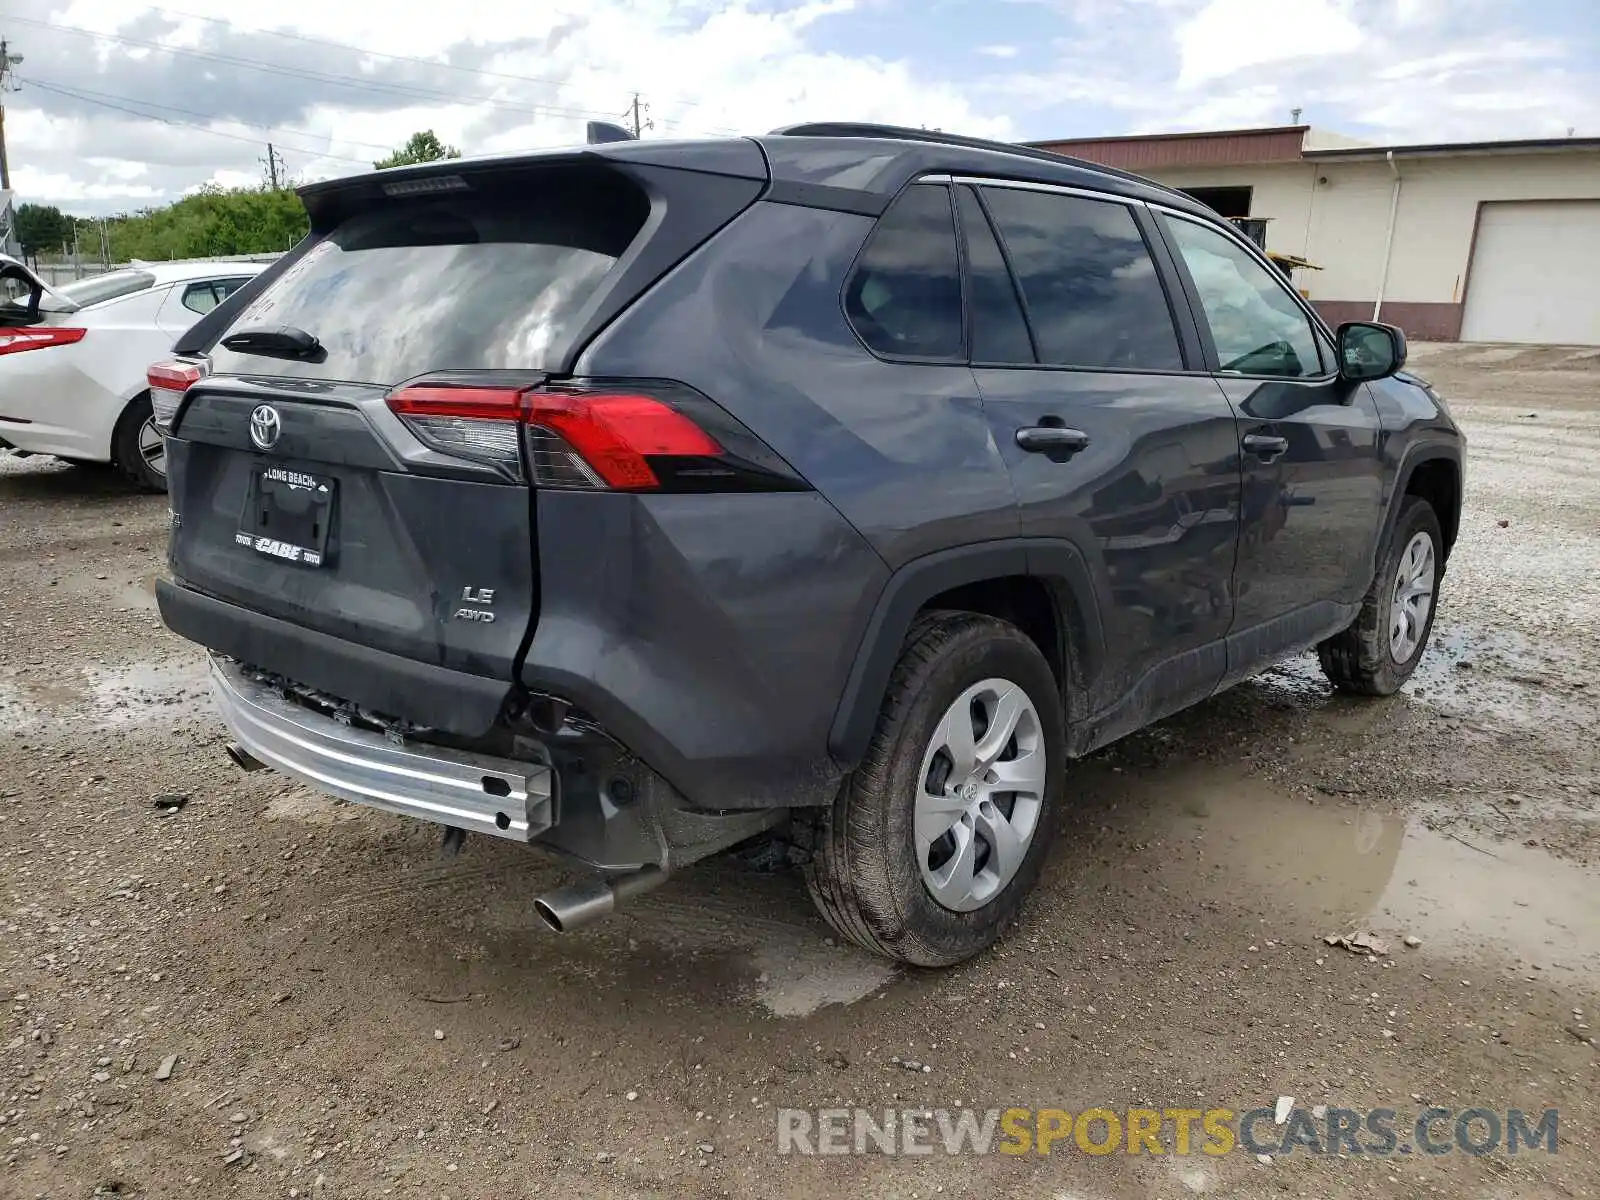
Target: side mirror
column 1368, row 350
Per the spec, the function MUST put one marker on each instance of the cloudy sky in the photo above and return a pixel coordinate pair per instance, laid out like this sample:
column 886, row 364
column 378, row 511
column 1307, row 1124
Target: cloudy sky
column 123, row 104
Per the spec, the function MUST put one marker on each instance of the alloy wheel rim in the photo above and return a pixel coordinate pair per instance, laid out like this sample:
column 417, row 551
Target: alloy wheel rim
column 153, row 447
column 979, row 795
column 1412, row 600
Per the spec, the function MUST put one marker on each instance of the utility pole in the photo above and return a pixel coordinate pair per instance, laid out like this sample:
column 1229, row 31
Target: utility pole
column 7, row 61
column 273, row 162
column 636, row 114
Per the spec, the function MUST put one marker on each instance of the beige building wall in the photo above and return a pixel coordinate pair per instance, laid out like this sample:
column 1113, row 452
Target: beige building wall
column 1336, row 212
column 1281, row 192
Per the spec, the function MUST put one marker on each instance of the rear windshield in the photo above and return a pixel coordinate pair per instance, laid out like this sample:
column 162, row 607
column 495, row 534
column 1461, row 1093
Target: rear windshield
column 16, row 291
column 464, row 281
column 110, row 286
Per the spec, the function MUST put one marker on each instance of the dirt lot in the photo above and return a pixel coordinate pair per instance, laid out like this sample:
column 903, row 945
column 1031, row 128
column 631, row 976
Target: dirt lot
column 361, row 1018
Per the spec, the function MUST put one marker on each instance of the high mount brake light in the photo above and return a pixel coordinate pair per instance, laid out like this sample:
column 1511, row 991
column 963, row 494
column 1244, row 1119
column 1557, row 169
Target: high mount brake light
column 594, row 439
column 38, row 337
column 168, row 381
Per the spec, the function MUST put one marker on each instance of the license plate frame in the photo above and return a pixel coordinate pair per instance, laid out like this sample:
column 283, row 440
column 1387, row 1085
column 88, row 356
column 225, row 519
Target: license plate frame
column 288, row 514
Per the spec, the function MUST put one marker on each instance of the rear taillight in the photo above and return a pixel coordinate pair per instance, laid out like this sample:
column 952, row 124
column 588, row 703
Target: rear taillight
column 38, row 337
column 592, row 436
column 168, row 382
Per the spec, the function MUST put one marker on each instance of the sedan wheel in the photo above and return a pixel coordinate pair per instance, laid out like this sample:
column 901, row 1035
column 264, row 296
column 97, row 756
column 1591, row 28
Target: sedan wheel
column 153, row 448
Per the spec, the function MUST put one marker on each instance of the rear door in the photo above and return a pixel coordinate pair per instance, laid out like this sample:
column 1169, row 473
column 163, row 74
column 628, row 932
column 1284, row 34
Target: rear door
column 299, row 493
column 1117, row 439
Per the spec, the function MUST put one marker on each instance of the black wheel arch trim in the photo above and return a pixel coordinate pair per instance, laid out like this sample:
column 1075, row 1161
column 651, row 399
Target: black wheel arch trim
column 1414, row 455
column 1056, row 563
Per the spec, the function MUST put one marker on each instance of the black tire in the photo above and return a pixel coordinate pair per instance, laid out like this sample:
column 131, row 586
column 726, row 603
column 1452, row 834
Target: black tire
column 125, row 455
column 1360, row 660
column 863, row 872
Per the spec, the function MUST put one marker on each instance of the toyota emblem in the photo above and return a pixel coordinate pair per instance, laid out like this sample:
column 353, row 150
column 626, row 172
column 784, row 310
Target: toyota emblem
column 265, row 426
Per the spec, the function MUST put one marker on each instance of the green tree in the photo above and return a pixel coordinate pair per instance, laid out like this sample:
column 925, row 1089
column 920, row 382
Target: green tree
column 421, row 147
column 211, row 221
column 42, row 228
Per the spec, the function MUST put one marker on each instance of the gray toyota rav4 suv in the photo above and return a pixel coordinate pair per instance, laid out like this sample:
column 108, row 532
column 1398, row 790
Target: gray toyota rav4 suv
column 637, row 500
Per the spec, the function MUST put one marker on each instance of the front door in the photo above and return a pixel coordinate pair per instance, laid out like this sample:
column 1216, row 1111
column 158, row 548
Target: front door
column 1313, row 480
column 1116, row 438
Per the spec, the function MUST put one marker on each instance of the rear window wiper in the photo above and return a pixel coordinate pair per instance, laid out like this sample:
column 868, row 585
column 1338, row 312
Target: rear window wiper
column 278, row 341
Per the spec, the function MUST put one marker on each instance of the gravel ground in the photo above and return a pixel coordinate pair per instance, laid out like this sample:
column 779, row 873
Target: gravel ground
column 265, row 993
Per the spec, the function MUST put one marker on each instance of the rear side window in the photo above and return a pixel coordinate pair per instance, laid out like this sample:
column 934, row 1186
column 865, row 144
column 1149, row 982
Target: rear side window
column 201, row 297
column 904, row 299
column 999, row 332
column 1093, row 294
column 493, row 279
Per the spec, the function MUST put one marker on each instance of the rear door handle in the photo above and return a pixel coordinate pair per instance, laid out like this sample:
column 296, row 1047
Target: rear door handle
column 1048, row 439
column 1265, row 446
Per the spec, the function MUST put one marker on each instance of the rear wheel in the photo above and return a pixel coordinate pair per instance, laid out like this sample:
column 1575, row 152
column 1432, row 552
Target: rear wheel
column 936, row 839
column 138, row 450
column 1378, row 653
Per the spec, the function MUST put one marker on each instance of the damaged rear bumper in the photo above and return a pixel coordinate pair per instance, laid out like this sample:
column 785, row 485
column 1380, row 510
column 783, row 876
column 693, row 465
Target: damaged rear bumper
column 590, row 802
column 478, row 793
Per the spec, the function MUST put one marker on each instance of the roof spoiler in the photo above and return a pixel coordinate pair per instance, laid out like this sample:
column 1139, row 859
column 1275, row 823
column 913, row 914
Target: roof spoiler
column 601, row 132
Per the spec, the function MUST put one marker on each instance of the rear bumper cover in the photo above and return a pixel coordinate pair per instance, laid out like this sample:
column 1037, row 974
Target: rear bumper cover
column 501, row 797
column 424, row 694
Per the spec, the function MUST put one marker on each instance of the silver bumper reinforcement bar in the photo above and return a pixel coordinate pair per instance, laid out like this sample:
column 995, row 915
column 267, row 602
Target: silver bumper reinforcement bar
column 476, row 792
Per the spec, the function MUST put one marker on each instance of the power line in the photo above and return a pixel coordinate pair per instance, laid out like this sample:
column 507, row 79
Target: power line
column 90, row 95
column 405, row 58
column 403, row 91
column 234, row 137
column 514, row 77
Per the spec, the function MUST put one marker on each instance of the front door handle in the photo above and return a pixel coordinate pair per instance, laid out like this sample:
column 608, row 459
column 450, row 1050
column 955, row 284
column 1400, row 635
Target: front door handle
column 1265, row 446
column 1051, row 439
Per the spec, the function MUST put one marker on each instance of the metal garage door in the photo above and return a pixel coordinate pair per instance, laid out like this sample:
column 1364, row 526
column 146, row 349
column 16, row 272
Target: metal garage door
column 1535, row 274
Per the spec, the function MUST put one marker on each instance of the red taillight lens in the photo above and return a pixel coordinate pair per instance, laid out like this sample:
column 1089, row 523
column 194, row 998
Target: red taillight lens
column 168, row 382
column 37, row 337
column 617, row 434
column 580, row 439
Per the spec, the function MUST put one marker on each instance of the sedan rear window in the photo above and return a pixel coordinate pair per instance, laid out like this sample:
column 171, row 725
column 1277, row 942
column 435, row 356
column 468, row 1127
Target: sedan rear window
column 488, row 279
column 113, row 285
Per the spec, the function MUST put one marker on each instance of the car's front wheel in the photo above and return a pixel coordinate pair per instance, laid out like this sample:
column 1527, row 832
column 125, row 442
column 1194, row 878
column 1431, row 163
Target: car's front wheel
column 936, row 839
column 138, row 450
column 1380, row 650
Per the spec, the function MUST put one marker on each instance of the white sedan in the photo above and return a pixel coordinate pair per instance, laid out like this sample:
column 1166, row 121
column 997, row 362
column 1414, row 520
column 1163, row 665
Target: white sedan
column 73, row 358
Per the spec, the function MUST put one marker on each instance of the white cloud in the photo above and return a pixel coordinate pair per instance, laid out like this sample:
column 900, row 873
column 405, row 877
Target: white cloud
column 523, row 76
column 503, row 75
column 1227, row 36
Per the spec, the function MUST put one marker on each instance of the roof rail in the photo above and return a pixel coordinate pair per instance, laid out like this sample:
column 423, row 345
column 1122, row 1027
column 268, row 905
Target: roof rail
column 902, row 133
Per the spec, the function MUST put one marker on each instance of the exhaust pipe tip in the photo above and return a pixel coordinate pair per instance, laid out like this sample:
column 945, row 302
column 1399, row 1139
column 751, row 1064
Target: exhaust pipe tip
column 242, row 758
column 579, row 904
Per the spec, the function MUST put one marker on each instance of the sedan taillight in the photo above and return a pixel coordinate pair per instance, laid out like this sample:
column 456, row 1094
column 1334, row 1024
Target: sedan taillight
column 38, row 337
column 168, row 382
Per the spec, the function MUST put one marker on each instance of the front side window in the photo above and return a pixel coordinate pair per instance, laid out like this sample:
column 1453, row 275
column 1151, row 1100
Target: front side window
column 1256, row 325
column 1094, row 298
column 904, row 298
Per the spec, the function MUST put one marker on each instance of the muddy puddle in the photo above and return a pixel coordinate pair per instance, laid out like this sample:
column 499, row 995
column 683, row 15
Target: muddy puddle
column 106, row 697
column 1329, row 869
column 1497, row 678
